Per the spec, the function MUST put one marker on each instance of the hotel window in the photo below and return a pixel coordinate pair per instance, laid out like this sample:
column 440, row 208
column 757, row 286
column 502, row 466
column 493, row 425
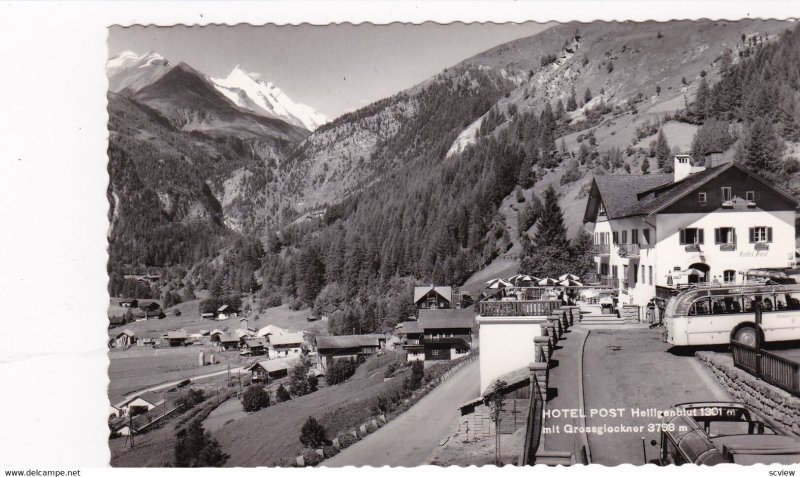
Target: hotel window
column 615, row 237
column 642, row 275
column 760, row 234
column 649, row 274
column 729, row 276
column 646, row 235
column 635, row 236
column 691, row 236
column 624, row 236
column 702, row 198
column 726, row 194
column 725, row 235
column 614, row 273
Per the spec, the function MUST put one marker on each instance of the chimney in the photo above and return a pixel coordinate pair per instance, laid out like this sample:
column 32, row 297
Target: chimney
column 683, row 167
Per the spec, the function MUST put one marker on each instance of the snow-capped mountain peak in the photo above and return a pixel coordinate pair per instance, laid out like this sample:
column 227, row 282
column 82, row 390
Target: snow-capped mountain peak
column 129, row 70
column 248, row 91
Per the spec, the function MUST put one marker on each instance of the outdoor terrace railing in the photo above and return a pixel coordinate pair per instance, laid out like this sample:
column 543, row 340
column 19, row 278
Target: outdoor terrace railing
column 601, row 249
column 628, row 249
column 774, row 369
column 517, row 308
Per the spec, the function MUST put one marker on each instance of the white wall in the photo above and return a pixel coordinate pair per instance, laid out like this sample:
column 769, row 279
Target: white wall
column 672, row 254
column 506, row 344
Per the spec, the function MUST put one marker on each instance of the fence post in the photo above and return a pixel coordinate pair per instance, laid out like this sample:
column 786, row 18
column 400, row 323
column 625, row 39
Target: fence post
column 759, row 317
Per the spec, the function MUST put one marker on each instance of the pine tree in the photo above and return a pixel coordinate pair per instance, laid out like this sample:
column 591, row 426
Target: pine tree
column 587, row 96
column 572, row 105
column 646, row 166
column 701, row 99
column 547, row 127
column 760, row 148
column 662, row 150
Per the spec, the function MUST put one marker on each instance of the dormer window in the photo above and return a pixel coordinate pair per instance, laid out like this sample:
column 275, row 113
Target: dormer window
column 702, row 198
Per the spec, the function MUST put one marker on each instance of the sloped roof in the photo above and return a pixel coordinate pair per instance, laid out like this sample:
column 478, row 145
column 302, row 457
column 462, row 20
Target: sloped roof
column 255, row 343
column 348, row 341
column 228, row 338
column 444, row 292
column 459, row 318
column 271, row 330
column 126, row 331
column 618, row 193
column 410, row 327
column 286, row 339
column 152, row 397
column 176, row 335
column 273, row 365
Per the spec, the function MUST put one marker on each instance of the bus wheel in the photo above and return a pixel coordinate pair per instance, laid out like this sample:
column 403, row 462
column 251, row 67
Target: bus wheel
column 746, row 335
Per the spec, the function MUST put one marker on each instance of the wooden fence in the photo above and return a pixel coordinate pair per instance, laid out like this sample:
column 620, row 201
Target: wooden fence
column 777, row 370
column 517, row 308
column 533, row 433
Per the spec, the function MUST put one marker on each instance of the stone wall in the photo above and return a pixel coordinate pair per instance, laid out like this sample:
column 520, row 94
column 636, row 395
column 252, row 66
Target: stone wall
column 743, row 387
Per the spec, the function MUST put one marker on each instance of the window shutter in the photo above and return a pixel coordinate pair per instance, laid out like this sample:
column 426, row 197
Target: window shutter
column 752, row 235
column 769, row 234
column 733, row 236
column 700, row 239
column 716, row 236
column 683, row 236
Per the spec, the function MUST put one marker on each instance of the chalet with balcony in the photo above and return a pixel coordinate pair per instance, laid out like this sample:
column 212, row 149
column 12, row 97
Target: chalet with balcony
column 347, row 346
column 447, row 334
column 433, row 297
column 698, row 225
column 411, row 341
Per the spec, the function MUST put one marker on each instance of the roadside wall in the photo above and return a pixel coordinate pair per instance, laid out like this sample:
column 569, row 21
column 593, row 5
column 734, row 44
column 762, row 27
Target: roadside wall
column 771, row 401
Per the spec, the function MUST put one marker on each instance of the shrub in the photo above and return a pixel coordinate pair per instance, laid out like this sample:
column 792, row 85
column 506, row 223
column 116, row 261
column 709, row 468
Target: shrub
column 330, row 451
column 382, row 404
column 415, row 380
column 346, row 440
column 340, row 370
column 312, row 434
column 282, row 395
column 196, row 448
column 300, row 382
column 310, row 457
column 255, row 399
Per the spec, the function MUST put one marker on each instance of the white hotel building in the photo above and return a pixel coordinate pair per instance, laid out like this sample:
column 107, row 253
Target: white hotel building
column 697, row 224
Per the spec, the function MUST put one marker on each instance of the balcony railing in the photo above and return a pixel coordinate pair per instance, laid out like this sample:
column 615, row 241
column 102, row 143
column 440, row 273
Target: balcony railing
column 601, row 249
column 610, row 282
column 628, row 250
column 517, row 308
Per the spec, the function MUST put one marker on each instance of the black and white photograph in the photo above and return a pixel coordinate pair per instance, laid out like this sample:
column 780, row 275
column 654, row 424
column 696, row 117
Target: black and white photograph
column 567, row 244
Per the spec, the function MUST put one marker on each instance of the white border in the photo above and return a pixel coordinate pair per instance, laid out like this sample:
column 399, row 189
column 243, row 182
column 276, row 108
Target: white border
column 53, row 205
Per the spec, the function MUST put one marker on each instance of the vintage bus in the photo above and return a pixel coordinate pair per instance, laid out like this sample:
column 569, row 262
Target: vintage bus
column 716, row 315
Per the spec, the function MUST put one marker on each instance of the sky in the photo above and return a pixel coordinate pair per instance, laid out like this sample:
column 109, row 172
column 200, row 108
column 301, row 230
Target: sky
column 332, row 68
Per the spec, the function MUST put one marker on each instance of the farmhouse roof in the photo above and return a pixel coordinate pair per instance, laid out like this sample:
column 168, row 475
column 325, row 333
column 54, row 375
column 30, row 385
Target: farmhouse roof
column 273, row 365
column 287, row 339
column 458, row 318
column 348, row 341
column 255, row 343
column 271, row 330
column 228, row 338
column 410, row 327
column 444, row 292
column 177, row 335
column 126, row 332
column 152, row 397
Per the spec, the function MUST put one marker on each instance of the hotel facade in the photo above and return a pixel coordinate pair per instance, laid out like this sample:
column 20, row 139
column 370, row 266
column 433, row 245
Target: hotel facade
column 697, row 225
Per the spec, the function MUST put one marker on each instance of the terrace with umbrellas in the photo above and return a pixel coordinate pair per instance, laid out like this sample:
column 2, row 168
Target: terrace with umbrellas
column 526, row 295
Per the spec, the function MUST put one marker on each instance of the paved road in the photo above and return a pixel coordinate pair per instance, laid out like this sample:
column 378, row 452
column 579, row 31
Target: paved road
column 633, row 369
column 410, row 439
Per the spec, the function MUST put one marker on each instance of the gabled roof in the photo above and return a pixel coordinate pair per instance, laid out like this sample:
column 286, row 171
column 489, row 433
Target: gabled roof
column 444, row 292
column 410, row 328
column 126, row 332
column 273, row 365
column 628, row 195
column 348, row 341
column 618, row 193
column 286, row 339
column 228, row 338
column 271, row 330
column 458, row 318
column 255, row 343
column 152, row 397
column 177, row 335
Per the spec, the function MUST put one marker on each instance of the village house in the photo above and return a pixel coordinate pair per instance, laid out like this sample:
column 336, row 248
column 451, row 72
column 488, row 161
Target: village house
column 289, row 344
column 207, row 316
column 270, row 369
column 141, row 403
column 270, row 330
column 226, row 341
column 348, row 346
column 225, row 312
column 447, row 334
column 117, row 320
column 124, row 339
column 411, row 339
column 698, row 226
column 177, row 338
column 433, row 297
column 254, row 347
column 129, row 302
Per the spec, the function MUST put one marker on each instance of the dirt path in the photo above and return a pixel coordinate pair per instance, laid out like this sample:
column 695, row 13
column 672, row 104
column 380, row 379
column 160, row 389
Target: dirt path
column 410, row 439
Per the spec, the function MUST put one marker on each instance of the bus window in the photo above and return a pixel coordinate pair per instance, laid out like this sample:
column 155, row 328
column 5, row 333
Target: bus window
column 701, row 306
column 765, row 300
column 723, row 304
column 791, row 301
